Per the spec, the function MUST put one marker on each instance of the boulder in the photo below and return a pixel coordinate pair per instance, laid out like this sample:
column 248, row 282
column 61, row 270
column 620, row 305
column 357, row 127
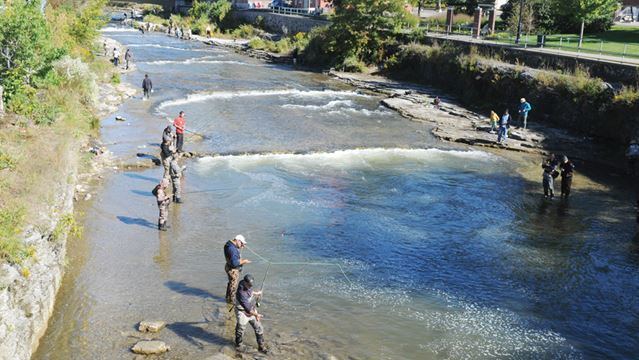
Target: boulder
column 151, row 347
column 151, row 326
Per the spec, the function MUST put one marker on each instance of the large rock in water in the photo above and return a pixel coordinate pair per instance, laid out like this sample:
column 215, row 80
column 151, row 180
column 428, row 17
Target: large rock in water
column 151, row 326
column 150, row 347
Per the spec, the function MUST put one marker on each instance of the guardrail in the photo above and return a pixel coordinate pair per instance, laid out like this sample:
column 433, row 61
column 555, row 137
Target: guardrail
column 293, row 11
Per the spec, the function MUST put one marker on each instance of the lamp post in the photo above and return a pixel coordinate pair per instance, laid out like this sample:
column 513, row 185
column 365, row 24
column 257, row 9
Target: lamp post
column 521, row 13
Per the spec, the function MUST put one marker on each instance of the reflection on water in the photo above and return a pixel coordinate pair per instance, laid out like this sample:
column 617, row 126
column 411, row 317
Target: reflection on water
column 446, row 254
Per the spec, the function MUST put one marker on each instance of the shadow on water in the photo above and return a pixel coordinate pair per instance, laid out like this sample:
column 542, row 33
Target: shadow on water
column 196, row 335
column 141, row 177
column 182, row 288
column 137, row 221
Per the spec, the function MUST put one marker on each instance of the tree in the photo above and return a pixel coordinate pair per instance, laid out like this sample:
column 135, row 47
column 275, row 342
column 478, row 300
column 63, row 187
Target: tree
column 26, row 49
column 214, row 12
column 361, row 28
column 586, row 12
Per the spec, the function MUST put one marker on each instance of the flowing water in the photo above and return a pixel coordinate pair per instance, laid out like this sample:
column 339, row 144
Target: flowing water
column 378, row 242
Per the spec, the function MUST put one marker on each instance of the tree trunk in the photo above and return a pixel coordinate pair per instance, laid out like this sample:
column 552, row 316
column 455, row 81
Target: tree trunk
column 419, row 8
column 581, row 33
column 1, row 101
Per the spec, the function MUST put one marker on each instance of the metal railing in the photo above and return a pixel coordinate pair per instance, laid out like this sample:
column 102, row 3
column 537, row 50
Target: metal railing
column 293, row 11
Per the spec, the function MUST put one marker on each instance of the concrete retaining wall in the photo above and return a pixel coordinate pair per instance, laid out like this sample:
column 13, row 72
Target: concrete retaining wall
column 279, row 23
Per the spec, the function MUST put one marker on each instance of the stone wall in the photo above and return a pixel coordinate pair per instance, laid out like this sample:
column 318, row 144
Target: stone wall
column 608, row 71
column 278, row 22
column 27, row 292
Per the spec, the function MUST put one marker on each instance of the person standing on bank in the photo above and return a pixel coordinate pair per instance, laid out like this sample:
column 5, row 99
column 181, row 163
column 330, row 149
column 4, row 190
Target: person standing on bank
column 116, row 57
column 524, row 108
column 180, row 125
column 567, row 170
column 147, row 86
column 234, row 263
column 246, row 313
column 502, row 133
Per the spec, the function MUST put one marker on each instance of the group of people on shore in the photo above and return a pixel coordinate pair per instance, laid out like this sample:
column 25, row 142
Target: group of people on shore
column 115, row 58
column 182, row 32
column 501, row 125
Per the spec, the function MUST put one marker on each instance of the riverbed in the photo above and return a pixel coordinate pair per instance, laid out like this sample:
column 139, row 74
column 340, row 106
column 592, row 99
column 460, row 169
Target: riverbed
column 379, row 241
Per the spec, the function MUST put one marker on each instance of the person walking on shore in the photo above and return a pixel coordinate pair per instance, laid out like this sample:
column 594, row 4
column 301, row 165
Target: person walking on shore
column 106, row 51
column 246, row 313
column 180, row 125
column 208, row 31
column 167, row 150
column 567, row 170
column 127, row 58
column 524, row 108
column 163, row 201
column 147, row 86
column 176, row 174
column 234, row 263
column 502, row 134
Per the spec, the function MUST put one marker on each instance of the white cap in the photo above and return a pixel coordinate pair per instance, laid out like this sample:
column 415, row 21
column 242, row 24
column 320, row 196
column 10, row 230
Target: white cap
column 523, row 100
column 240, row 238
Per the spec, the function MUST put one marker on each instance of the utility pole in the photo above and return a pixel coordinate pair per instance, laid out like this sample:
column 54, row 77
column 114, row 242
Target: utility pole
column 521, row 13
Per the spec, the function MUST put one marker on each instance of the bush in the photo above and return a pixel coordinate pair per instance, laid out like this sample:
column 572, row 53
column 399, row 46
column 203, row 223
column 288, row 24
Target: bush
column 154, row 19
column 628, row 95
column 257, row 44
column 6, row 162
column 12, row 249
column 353, row 64
column 246, row 31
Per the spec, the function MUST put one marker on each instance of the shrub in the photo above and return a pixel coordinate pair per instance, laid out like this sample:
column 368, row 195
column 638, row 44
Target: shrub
column 6, row 161
column 353, row 64
column 628, row 95
column 154, row 19
column 12, row 249
column 257, row 44
column 247, row 31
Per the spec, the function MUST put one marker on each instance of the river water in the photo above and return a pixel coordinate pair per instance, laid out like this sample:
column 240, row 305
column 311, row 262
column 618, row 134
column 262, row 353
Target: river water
column 382, row 242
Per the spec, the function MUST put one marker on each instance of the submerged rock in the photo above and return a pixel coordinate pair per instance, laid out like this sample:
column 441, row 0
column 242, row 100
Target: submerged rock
column 151, row 326
column 147, row 347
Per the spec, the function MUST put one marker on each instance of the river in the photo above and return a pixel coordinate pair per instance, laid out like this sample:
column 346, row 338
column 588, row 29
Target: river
column 383, row 242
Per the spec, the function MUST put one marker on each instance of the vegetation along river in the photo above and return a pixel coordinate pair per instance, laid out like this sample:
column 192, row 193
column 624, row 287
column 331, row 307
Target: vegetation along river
column 402, row 247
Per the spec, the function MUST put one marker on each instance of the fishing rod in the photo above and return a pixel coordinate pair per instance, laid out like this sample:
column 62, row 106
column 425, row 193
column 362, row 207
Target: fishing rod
column 206, row 137
column 259, row 297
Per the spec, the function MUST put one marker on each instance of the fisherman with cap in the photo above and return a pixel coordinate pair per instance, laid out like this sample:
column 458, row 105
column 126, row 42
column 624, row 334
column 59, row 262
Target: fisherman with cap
column 246, row 313
column 567, row 170
column 234, row 263
column 163, row 202
column 524, row 108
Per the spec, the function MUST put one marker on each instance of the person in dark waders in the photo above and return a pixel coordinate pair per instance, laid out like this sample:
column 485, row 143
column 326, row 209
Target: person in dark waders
column 246, row 313
column 234, row 263
column 567, row 170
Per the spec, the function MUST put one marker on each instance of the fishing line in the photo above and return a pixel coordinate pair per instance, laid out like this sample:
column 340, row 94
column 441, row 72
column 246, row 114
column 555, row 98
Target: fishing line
column 301, row 263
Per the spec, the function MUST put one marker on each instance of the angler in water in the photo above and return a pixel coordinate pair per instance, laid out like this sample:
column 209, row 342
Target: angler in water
column 246, row 313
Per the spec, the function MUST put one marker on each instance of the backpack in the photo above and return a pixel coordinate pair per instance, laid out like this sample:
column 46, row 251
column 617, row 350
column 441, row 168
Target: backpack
column 155, row 190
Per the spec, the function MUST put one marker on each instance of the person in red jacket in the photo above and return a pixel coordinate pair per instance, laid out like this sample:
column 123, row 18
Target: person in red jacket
column 180, row 124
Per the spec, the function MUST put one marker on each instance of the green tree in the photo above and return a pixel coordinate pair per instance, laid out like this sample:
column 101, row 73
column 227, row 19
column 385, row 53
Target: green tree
column 541, row 14
column 215, row 11
column 361, row 28
column 586, row 12
column 26, row 50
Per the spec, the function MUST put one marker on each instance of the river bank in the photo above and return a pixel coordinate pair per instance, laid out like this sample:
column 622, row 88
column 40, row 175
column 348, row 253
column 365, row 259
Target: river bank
column 28, row 290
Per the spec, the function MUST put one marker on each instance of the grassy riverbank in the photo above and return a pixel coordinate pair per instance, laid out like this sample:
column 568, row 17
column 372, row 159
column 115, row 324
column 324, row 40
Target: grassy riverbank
column 50, row 113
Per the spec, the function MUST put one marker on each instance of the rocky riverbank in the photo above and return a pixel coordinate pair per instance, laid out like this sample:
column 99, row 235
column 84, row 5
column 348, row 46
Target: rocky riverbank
column 28, row 291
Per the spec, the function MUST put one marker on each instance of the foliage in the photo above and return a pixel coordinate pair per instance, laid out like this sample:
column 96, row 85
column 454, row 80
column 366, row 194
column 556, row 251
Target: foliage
column 26, row 50
column 65, row 226
column 527, row 19
column 6, row 161
column 215, row 11
column 154, row 19
column 362, row 28
column 628, row 95
column 247, row 31
column 352, row 64
column 88, row 21
column 151, row 9
column 12, row 249
column 540, row 14
column 318, row 50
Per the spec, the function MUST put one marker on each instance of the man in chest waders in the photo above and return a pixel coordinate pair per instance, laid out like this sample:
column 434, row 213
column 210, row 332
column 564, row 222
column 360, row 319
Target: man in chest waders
column 167, row 150
column 234, row 263
column 176, row 174
column 246, row 313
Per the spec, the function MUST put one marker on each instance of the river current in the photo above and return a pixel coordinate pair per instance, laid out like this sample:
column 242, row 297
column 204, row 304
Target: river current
column 382, row 242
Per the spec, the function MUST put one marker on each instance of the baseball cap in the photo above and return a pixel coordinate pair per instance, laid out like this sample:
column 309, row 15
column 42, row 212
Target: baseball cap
column 240, row 238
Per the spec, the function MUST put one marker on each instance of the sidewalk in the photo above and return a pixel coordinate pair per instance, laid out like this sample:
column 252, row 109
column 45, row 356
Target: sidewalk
column 572, row 54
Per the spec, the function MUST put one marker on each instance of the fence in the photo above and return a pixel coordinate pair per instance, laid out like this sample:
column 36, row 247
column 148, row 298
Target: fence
column 293, row 11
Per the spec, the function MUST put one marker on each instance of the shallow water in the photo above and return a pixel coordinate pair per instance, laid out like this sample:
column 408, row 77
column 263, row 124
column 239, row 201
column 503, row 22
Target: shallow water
column 403, row 248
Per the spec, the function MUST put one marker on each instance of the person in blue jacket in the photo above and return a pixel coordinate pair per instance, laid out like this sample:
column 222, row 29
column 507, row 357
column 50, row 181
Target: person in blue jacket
column 524, row 108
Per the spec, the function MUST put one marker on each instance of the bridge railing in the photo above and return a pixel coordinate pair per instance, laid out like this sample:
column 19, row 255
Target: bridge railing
column 293, row 11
